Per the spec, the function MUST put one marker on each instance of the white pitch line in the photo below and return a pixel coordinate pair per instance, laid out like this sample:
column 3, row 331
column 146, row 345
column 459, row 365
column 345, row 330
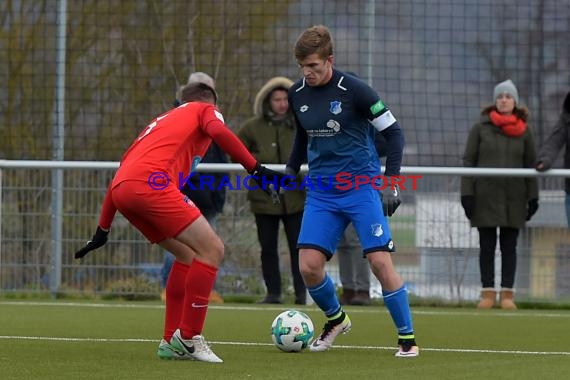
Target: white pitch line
column 142, row 340
column 358, row 310
column 67, row 339
column 81, row 304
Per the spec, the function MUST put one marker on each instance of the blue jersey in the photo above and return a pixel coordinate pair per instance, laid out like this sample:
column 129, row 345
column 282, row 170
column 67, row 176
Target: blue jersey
column 337, row 120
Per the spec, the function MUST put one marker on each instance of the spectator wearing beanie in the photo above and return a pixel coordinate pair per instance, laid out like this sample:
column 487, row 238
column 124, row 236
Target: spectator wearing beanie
column 501, row 138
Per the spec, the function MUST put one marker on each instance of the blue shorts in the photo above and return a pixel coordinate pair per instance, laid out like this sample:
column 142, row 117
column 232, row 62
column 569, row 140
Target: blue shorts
column 326, row 216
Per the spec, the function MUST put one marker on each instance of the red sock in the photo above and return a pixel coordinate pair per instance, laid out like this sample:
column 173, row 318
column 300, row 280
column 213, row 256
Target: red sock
column 175, row 290
column 199, row 283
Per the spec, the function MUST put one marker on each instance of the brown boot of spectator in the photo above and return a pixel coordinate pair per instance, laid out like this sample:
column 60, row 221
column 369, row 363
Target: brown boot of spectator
column 488, row 297
column 347, row 296
column 507, row 299
column 361, row 298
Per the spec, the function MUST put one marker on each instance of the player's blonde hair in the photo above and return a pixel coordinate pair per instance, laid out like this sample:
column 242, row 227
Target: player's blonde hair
column 316, row 39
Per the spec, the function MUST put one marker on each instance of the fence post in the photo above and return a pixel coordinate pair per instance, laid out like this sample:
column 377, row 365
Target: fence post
column 58, row 150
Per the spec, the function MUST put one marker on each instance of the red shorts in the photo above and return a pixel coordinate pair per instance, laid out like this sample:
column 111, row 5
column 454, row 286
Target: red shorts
column 158, row 214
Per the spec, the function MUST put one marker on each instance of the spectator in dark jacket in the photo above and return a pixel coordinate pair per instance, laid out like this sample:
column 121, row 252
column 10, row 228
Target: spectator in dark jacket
column 269, row 135
column 558, row 137
column 501, row 139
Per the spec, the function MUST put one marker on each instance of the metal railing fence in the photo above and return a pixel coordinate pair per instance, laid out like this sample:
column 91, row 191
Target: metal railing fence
column 437, row 249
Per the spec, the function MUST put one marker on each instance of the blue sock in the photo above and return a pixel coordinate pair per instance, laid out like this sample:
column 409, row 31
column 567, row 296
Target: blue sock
column 325, row 297
column 397, row 304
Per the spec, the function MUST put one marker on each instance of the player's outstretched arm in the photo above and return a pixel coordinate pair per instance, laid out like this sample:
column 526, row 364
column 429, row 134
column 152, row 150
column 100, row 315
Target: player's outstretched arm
column 98, row 240
column 101, row 235
column 233, row 146
column 394, row 151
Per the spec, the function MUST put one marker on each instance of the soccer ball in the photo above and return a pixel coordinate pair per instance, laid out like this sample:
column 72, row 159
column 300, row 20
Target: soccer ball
column 292, row 331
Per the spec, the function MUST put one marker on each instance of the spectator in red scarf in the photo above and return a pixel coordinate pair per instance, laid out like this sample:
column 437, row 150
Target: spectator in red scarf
column 501, row 138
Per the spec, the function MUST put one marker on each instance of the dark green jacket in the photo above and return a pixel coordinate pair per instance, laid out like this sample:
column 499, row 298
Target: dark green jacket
column 271, row 141
column 499, row 201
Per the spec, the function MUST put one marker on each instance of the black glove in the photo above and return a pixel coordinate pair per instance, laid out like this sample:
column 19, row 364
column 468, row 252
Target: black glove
column 468, row 203
column 390, row 199
column 271, row 177
column 532, row 208
column 98, row 240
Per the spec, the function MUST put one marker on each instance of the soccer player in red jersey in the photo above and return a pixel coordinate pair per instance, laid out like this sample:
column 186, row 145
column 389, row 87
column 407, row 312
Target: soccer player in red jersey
column 146, row 190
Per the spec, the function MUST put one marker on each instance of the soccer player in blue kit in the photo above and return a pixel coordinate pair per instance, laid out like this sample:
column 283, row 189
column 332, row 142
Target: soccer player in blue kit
column 334, row 112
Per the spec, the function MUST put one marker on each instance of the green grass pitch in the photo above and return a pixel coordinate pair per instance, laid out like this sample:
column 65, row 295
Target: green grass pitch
column 118, row 340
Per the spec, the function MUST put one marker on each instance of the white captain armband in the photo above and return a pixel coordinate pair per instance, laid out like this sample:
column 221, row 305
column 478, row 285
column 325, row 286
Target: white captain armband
column 383, row 121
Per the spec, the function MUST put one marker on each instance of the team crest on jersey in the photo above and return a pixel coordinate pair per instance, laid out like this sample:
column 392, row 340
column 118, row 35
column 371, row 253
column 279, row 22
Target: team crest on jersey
column 377, row 230
column 336, row 107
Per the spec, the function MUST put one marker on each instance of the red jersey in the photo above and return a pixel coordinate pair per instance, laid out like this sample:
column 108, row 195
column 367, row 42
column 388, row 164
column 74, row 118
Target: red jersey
column 173, row 145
